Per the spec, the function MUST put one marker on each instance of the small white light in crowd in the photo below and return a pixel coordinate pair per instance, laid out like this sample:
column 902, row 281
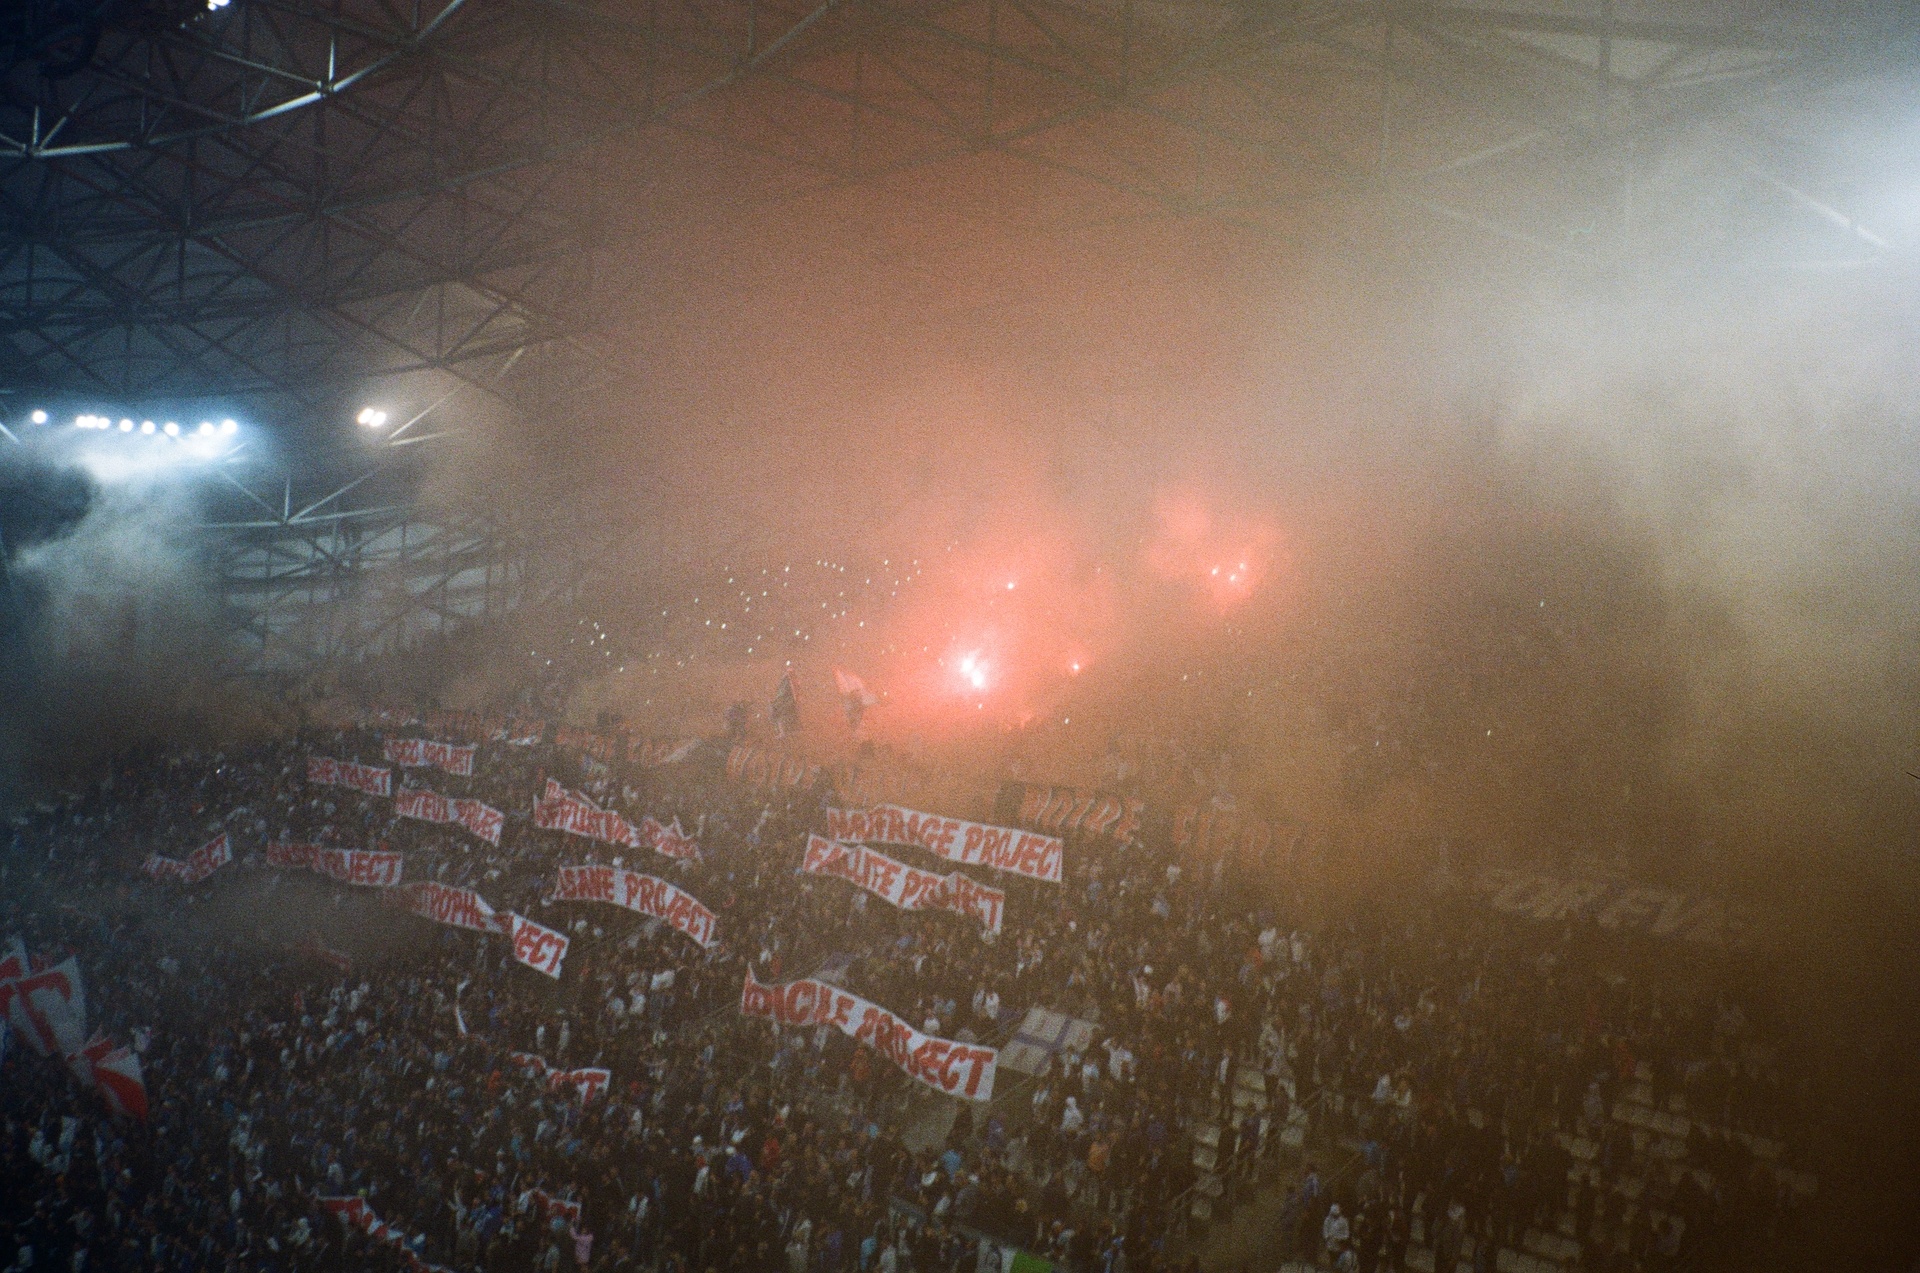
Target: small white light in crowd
column 146, row 426
column 38, row 417
column 171, row 429
column 372, row 417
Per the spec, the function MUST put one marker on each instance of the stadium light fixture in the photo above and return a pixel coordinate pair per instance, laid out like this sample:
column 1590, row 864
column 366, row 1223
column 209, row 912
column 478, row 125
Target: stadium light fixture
column 372, row 417
column 38, row 417
column 171, row 429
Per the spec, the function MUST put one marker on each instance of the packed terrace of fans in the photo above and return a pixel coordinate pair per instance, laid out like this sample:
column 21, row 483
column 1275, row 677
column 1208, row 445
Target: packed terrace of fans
column 331, row 1082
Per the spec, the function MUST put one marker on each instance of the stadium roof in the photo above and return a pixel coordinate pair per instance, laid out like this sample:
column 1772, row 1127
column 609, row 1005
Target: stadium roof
column 281, row 200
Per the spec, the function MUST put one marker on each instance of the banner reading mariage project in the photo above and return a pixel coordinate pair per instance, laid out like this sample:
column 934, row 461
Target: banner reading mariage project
column 344, row 773
column 421, row 753
column 637, row 892
column 1026, row 853
column 349, row 866
column 907, row 887
column 958, row 1069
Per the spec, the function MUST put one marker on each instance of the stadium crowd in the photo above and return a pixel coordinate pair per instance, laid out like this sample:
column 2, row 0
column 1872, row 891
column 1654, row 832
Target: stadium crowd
column 301, row 1040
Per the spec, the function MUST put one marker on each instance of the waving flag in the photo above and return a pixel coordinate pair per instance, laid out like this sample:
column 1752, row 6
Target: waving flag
column 855, row 697
column 786, row 709
column 49, row 1009
column 114, row 1072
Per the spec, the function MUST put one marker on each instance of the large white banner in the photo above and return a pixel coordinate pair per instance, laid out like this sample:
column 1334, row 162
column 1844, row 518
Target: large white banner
column 419, row 803
column 1026, row 853
column 201, row 863
column 907, row 887
column 637, row 892
column 349, row 866
column 420, row 753
column 959, row 1069
column 457, row 907
column 589, row 1081
column 573, row 812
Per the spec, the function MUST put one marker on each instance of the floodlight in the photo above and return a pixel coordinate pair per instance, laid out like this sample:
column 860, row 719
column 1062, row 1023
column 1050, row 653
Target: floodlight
column 126, row 426
column 146, row 427
column 171, row 429
column 228, row 426
column 205, row 430
column 372, row 417
column 38, row 417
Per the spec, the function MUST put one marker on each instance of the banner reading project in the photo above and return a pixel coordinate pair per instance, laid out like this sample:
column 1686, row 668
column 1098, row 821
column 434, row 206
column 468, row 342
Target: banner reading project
column 1026, row 853
column 349, row 866
column 907, row 887
column 423, row 805
column 538, row 947
column 636, row 892
column 421, row 753
column 327, row 771
column 201, row 863
column 958, row 1069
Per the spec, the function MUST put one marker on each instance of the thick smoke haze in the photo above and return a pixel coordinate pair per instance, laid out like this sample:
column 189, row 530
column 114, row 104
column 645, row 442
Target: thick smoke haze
column 1607, row 565
column 110, row 636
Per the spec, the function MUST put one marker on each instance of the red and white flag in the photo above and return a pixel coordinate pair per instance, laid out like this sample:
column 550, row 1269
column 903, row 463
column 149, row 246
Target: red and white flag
column 851, row 686
column 48, row 1009
column 114, row 1072
column 537, row 946
column 13, row 960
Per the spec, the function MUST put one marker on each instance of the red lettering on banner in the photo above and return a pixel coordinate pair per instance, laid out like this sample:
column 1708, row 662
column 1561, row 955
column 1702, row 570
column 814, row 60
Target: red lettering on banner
column 940, row 1063
column 904, row 886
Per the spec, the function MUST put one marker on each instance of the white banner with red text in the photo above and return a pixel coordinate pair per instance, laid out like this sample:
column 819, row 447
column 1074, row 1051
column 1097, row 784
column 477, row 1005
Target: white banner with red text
column 201, row 863
column 349, row 866
column 907, row 887
column 1026, row 853
column 329, row 772
column 535, row 945
column 589, row 1081
column 421, row 753
column 423, row 805
column 959, row 1069
column 356, row 1214
column 577, row 814
column 642, row 893
column 455, row 907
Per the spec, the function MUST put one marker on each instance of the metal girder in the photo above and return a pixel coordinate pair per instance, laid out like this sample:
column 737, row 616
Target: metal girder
column 287, row 196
